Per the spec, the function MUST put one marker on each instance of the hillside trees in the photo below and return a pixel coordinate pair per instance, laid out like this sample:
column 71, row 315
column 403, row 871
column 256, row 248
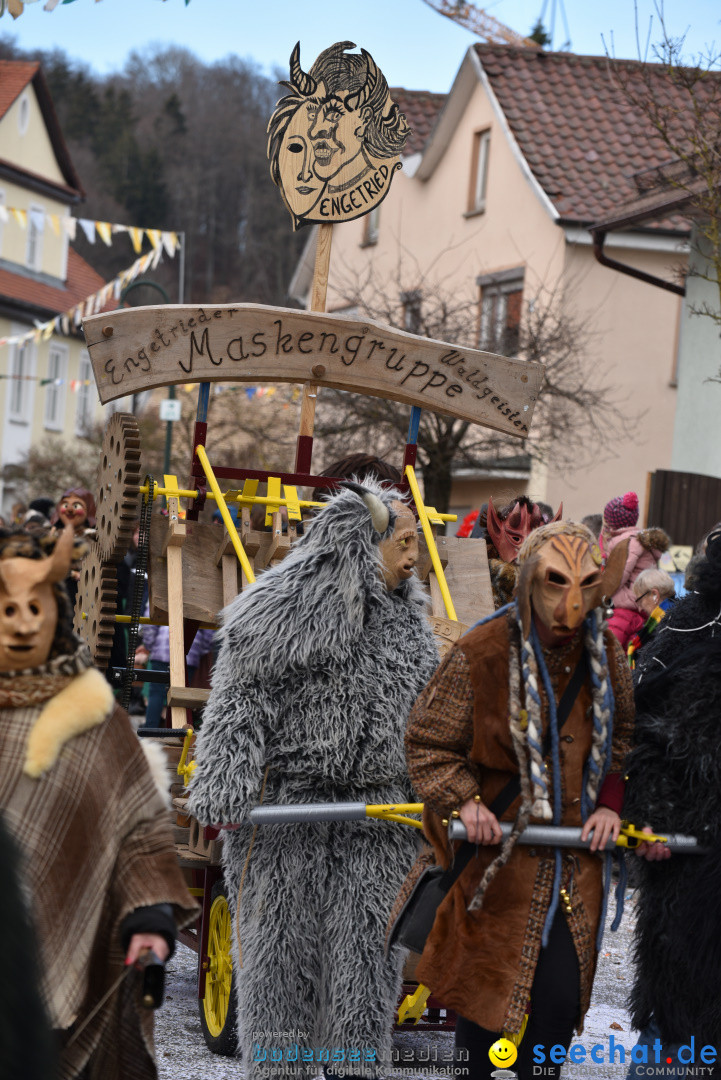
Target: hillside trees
column 172, row 143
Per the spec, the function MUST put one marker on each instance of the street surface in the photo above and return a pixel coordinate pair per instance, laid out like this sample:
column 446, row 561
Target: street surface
column 183, row 1055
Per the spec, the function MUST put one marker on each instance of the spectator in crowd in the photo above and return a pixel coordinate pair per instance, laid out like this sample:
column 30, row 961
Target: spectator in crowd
column 645, row 547
column 594, row 522
column 156, row 641
column 654, row 592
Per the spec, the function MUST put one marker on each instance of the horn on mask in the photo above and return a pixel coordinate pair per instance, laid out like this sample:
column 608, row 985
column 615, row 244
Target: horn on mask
column 558, row 515
column 379, row 512
column 357, row 100
column 59, row 562
column 300, row 79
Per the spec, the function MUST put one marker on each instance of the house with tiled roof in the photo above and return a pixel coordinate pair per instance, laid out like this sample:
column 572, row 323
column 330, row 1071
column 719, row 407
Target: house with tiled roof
column 46, row 382
column 528, row 150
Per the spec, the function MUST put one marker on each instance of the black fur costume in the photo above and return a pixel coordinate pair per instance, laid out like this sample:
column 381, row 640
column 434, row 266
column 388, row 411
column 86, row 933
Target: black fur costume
column 675, row 785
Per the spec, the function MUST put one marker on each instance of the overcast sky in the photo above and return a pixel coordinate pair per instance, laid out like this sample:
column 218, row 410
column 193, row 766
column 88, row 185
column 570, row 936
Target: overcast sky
column 413, row 45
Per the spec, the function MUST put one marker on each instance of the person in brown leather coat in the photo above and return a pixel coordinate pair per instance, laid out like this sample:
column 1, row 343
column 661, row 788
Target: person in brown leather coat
column 519, row 931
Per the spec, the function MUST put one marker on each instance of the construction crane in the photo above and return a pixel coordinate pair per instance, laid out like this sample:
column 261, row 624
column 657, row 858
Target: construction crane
column 480, row 22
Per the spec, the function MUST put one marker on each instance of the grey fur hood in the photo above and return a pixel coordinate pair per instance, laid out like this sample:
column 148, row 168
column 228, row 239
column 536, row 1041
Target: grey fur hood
column 316, row 603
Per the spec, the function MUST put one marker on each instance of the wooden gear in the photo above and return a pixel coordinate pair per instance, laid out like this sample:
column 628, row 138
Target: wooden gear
column 118, row 481
column 96, row 604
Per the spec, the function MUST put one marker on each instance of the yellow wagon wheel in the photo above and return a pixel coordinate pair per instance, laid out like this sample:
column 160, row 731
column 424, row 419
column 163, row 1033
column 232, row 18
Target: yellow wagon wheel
column 217, row 1007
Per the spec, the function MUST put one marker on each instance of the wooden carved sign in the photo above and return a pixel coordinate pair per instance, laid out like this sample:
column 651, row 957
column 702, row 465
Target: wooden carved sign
column 335, row 140
column 140, row 348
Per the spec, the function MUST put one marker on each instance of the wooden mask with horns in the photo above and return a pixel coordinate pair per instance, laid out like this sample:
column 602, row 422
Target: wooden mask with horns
column 561, row 577
column 28, row 607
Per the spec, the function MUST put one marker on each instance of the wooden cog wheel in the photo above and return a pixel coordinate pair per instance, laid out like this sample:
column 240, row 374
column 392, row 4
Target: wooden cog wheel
column 119, row 479
column 97, row 598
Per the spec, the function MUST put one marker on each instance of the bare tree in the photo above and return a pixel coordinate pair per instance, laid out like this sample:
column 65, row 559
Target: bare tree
column 679, row 97
column 53, row 465
column 576, row 412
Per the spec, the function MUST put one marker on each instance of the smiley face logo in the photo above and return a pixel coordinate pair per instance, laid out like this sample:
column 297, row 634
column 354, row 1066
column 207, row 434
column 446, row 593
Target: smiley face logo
column 503, row 1053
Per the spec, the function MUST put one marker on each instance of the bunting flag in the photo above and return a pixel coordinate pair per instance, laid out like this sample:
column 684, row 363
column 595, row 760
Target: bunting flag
column 91, row 305
column 16, row 7
column 106, row 230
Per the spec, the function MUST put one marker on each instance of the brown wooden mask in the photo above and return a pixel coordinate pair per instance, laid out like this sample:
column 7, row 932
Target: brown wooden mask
column 562, row 581
column 28, row 608
column 399, row 551
column 508, row 534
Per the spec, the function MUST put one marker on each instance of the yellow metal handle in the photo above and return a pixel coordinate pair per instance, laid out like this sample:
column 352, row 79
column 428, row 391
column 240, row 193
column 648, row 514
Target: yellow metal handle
column 225, row 513
column 430, row 541
column 414, row 1005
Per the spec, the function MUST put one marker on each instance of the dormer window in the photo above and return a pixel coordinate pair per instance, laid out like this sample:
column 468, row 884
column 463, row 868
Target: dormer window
column 479, row 172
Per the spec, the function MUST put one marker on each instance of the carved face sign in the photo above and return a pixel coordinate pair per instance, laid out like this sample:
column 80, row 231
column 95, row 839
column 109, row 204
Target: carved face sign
column 566, row 585
column 508, row 534
column 303, row 188
column 400, row 551
column 72, row 510
column 335, row 141
column 28, row 608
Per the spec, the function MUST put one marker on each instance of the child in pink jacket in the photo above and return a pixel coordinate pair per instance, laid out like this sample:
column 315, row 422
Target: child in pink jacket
column 645, row 547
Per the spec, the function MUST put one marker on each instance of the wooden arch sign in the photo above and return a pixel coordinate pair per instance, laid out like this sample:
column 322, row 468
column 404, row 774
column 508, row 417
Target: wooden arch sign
column 140, row 348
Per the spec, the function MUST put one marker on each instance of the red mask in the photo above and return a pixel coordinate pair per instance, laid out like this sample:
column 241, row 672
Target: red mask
column 507, row 535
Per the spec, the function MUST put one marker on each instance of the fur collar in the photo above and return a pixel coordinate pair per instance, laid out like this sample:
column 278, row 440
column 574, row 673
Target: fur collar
column 82, row 704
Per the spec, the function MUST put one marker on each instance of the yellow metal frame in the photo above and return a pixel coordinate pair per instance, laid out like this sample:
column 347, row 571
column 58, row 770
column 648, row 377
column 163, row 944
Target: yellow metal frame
column 424, row 516
column 186, row 768
column 225, row 514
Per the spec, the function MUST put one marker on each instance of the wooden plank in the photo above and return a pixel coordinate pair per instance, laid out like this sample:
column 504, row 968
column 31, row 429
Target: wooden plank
column 187, row 697
column 202, row 579
column 468, row 577
column 321, row 268
column 229, row 569
column 139, row 348
column 174, row 541
column 446, row 631
column 438, row 607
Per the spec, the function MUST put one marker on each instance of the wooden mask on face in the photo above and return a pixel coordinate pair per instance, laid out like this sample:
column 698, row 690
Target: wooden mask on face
column 561, row 580
column 28, row 608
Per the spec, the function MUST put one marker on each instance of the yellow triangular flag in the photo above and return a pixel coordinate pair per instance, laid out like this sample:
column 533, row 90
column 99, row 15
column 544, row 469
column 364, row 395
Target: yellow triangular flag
column 104, row 232
column 48, row 330
column 55, row 223
column 154, row 236
column 136, row 235
column 21, row 216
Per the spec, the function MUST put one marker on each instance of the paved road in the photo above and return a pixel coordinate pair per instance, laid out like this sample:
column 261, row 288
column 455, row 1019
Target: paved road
column 182, row 1054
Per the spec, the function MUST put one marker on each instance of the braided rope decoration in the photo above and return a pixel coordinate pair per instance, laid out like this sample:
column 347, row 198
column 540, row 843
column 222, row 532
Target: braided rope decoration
column 517, row 721
column 599, row 759
column 529, row 665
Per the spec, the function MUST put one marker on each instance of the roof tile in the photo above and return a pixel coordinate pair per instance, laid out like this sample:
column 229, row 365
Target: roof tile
column 568, row 114
column 82, row 281
column 14, row 77
column 421, row 108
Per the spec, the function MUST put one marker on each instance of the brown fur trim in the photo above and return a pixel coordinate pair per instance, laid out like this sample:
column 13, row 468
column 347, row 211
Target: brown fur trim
column 654, row 538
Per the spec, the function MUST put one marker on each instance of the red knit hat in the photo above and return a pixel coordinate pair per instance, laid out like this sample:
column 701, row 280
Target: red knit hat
column 622, row 512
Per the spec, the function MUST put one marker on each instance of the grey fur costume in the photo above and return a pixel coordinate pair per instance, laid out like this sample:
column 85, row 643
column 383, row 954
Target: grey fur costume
column 318, row 668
